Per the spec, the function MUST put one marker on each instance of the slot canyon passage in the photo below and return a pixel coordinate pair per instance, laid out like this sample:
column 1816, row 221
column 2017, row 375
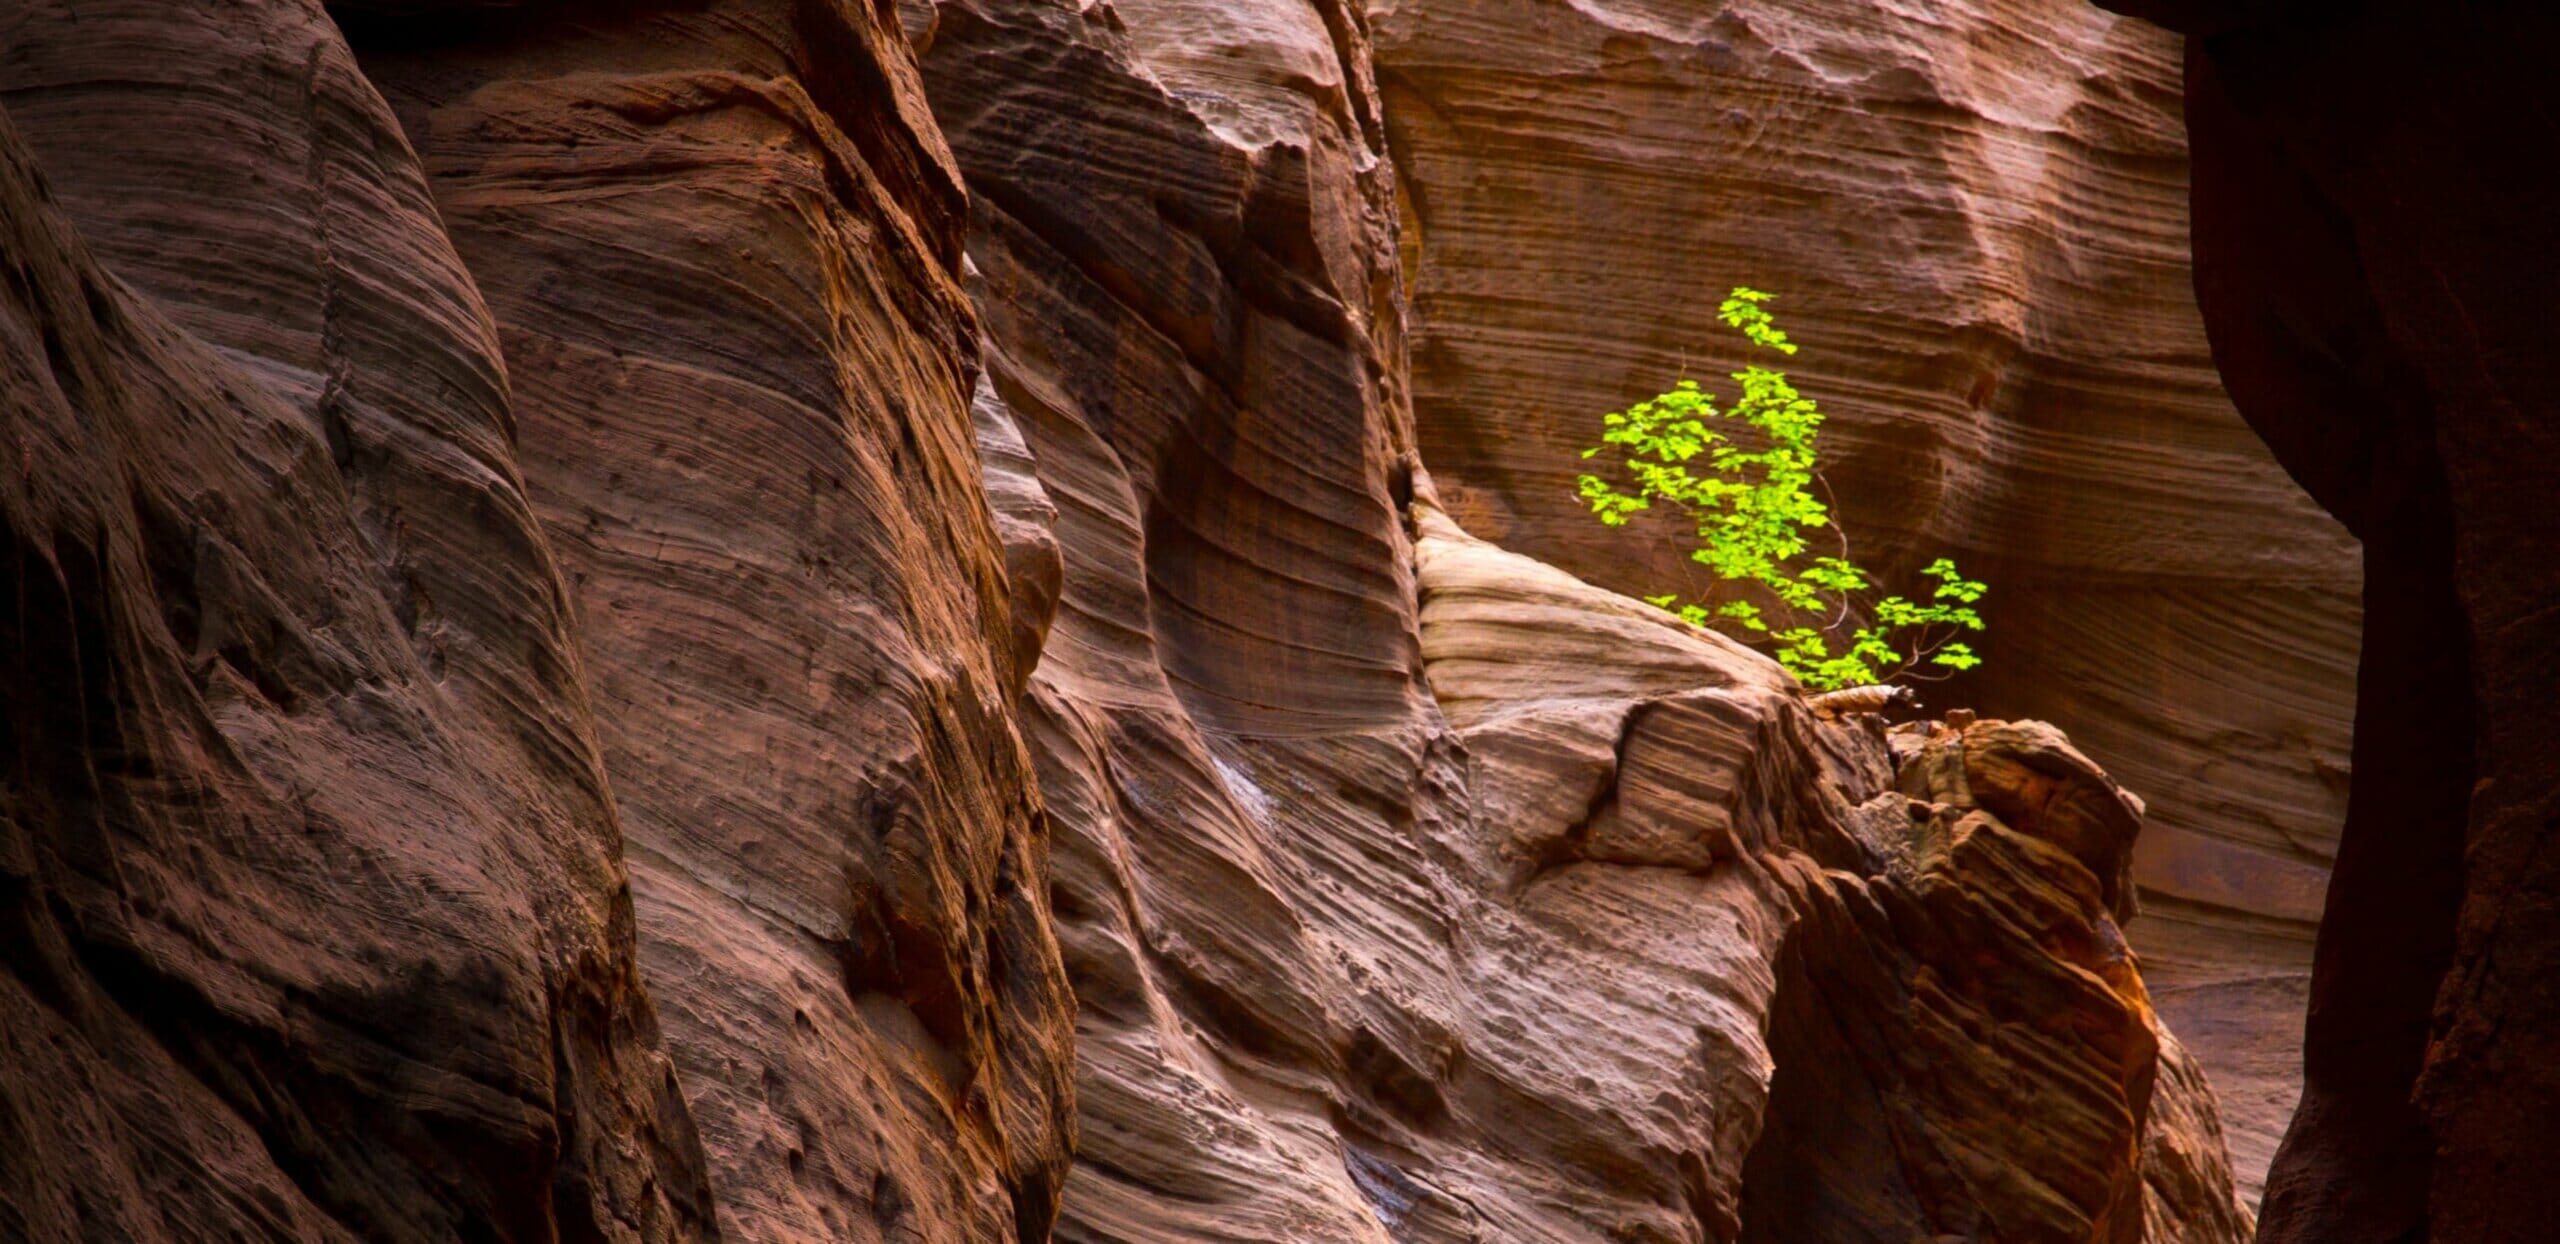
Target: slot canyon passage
column 965, row 620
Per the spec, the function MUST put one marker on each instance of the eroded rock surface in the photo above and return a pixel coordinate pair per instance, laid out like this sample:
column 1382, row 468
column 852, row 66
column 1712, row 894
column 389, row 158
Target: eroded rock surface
column 1982, row 960
column 721, row 245
column 1461, row 922
column 312, row 893
column 329, row 774
column 1974, row 216
column 552, row 695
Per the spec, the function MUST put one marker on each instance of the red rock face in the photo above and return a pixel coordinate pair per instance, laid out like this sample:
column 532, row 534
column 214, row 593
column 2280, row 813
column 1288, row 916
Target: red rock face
column 576, row 671
column 1992, row 916
column 1412, row 889
column 316, row 917
column 720, row 248
column 364, row 643
column 2373, row 266
column 1973, row 214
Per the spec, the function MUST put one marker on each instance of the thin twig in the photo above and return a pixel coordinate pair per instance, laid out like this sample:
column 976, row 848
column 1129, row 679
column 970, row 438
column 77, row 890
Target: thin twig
column 1831, row 506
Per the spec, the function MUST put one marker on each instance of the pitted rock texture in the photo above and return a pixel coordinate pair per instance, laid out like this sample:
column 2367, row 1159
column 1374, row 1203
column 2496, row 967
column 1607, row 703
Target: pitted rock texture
column 1973, row 215
column 2393, row 348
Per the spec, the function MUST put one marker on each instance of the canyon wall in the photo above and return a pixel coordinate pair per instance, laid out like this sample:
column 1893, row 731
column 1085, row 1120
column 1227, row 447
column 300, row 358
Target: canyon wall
column 2376, row 268
column 514, row 738
column 721, row 244
column 620, row 631
column 1974, row 217
column 316, row 917
column 1490, row 919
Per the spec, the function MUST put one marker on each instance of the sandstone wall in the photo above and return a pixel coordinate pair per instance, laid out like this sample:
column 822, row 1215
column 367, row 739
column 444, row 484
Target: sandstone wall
column 317, row 922
column 1974, row 216
column 1412, row 889
column 489, row 567
column 579, row 668
column 721, row 243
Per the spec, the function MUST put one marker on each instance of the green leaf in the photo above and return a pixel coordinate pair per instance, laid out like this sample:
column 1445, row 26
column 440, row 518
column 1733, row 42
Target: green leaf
column 1956, row 656
column 1745, row 477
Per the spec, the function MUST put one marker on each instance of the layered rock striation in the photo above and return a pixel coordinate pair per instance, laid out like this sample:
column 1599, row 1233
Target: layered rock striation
column 721, row 244
column 598, row 650
column 514, row 733
column 1974, row 217
column 1415, row 890
column 313, row 899
column 1962, row 1044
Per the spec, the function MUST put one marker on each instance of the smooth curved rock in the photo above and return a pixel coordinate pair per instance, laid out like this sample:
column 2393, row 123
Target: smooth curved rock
column 318, row 611
column 1973, row 215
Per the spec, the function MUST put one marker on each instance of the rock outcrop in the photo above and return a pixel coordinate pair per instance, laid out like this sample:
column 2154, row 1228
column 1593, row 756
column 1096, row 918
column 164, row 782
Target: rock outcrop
column 1939, row 923
column 2375, row 268
column 312, row 889
column 722, row 248
column 411, row 550
column 1984, row 955
column 579, row 669
column 1973, row 215
column 1475, row 922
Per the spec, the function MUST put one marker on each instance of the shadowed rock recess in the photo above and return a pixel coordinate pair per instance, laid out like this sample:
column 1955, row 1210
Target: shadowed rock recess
column 792, row 620
column 2376, row 269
